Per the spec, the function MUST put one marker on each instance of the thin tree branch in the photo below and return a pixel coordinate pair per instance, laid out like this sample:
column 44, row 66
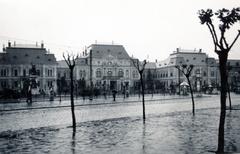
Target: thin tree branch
column 213, row 37
column 234, row 40
column 214, row 32
column 225, row 41
column 216, row 39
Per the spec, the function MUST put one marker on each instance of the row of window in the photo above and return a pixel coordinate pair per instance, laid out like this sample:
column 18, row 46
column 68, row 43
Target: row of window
column 26, row 55
column 4, row 72
column 109, row 72
column 165, row 75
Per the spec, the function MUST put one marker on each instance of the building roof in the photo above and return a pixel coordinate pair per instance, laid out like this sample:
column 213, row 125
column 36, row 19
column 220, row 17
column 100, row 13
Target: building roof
column 111, row 51
column 62, row 64
column 21, row 55
column 184, row 57
column 150, row 65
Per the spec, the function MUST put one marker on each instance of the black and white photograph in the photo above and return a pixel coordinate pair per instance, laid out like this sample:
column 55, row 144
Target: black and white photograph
column 120, row 76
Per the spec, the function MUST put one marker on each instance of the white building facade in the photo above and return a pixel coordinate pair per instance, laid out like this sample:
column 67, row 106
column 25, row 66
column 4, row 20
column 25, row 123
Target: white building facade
column 204, row 72
column 111, row 67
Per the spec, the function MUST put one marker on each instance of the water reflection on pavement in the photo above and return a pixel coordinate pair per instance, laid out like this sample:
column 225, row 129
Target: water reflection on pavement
column 169, row 128
column 177, row 132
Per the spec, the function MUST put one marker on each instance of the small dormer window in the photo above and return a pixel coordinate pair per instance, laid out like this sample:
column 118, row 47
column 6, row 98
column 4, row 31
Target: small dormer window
column 49, row 59
column 108, row 50
column 26, row 55
column 194, row 58
column 187, row 60
column 38, row 57
column 202, row 60
column 119, row 53
column 14, row 57
column 97, row 51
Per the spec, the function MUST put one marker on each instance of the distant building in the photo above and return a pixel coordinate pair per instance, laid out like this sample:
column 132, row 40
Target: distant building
column 112, row 67
column 233, row 69
column 203, row 74
column 16, row 60
column 109, row 67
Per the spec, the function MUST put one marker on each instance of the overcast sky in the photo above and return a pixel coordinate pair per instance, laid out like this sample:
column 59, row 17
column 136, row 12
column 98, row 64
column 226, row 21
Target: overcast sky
column 146, row 28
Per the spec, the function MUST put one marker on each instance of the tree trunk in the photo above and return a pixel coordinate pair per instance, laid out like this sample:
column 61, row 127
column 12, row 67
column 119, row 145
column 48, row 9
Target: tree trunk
column 229, row 97
column 72, row 102
column 143, row 100
column 193, row 104
column 223, row 73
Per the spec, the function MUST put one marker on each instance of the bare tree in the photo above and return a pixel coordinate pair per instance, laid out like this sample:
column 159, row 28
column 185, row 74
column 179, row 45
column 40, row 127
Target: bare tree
column 222, row 47
column 187, row 70
column 140, row 68
column 71, row 62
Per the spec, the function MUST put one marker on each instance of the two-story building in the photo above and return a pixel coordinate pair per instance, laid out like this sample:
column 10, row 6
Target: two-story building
column 16, row 61
column 204, row 72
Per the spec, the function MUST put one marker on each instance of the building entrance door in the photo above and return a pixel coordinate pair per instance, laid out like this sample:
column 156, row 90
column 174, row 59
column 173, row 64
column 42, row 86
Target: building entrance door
column 113, row 85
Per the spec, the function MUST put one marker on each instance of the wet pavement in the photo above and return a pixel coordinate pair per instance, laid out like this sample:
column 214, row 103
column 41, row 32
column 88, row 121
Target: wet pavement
column 118, row 128
column 79, row 101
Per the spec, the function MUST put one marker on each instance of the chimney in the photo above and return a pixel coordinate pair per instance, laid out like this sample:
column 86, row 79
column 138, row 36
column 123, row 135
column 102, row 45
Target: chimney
column 9, row 44
column 177, row 49
column 4, row 49
column 36, row 44
column 14, row 44
column 42, row 45
column 156, row 60
column 200, row 50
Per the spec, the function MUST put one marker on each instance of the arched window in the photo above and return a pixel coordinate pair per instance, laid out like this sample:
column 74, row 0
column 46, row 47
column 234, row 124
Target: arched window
column 120, row 73
column 98, row 73
column 197, row 71
column 109, row 73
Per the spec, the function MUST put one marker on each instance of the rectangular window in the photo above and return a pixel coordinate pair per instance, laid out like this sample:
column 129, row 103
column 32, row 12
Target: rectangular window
column 3, row 84
column 38, row 72
column 24, row 72
column 15, row 72
column 212, row 73
column 15, row 84
column 50, row 73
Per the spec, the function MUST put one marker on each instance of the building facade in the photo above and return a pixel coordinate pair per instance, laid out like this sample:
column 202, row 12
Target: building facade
column 108, row 67
column 204, row 72
column 16, row 61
